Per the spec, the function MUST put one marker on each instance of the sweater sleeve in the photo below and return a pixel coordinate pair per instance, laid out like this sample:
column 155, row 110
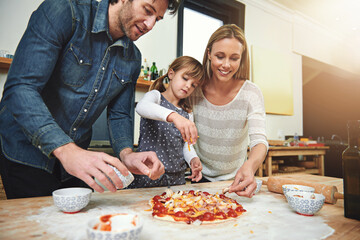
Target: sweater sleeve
column 256, row 119
column 149, row 107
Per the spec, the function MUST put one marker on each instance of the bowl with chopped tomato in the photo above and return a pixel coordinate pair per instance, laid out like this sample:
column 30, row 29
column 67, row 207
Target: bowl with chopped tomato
column 305, row 203
column 296, row 188
column 123, row 226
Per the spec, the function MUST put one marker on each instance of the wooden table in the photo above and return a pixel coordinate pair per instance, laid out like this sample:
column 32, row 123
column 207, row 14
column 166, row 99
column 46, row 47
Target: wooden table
column 15, row 214
column 317, row 152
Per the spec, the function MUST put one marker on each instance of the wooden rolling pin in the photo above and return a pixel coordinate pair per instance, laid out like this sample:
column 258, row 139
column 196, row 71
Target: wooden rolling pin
column 274, row 184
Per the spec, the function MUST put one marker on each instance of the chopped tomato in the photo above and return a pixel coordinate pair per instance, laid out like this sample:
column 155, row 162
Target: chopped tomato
column 190, row 211
column 208, row 216
column 222, row 196
column 163, row 210
column 156, row 198
column 157, row 206
column 180, row 214
column 239, row 209
column 232, row 213
column 221, row 215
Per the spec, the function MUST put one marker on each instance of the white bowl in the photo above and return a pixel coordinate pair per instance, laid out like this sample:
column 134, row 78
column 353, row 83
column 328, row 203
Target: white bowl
column 71, row 200
column 296, row 188
column 258, row 185
column 124, row 226
column 305, row 203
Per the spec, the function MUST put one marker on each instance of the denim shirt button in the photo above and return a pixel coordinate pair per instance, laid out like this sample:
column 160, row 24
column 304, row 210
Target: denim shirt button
column 95, row 90
column 81, row 61
column 85, row 110
column 122, row 80
column 74, row 129
column 39, row 147
column 103, row 68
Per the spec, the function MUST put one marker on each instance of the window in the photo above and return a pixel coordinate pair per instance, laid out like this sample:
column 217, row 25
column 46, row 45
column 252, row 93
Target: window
column 198, row 19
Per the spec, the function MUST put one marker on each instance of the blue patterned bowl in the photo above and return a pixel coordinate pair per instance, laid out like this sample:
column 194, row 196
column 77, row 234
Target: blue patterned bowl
column 305, row 203
column 122, row 230
column 71, row 200
column 296, row 188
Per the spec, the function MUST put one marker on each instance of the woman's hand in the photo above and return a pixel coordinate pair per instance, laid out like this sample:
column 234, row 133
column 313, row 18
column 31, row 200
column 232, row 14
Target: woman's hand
column 196, row 168
column 244, row 183
column 186, row 127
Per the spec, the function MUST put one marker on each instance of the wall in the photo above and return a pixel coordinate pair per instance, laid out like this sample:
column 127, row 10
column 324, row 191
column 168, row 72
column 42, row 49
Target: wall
column 267, row 24
column 14, row 15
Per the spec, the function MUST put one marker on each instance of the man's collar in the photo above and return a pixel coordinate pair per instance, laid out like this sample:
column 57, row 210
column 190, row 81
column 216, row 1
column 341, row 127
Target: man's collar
column 101, row 24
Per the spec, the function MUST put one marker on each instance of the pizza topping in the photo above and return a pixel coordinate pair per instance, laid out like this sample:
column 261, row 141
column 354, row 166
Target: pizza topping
column 194, row 206
column 117, row 222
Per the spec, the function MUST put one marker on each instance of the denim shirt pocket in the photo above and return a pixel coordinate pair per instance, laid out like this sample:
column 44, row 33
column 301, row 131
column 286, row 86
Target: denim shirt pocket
column 76, row 65
column 119, row 80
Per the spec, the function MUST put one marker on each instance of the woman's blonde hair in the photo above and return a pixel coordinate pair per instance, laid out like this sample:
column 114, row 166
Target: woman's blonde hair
column 229, row 31
column 194, row 70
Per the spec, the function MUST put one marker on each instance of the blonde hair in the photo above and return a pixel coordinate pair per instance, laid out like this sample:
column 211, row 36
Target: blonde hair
column 194, row 70
column 229, row 31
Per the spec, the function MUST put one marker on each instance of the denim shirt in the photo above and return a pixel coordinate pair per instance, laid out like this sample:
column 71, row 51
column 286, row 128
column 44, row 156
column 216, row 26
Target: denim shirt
column 66, row 70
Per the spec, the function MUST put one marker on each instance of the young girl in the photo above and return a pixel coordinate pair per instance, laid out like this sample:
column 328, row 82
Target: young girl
column 160, row 135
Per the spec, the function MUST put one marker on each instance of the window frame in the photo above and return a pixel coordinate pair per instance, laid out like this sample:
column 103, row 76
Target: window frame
column 229, row 11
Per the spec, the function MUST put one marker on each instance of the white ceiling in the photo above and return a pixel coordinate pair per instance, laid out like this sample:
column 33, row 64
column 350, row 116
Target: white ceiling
column 342, row 16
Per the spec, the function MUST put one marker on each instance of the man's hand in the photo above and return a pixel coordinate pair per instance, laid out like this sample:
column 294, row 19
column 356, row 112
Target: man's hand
column 196, row 167
column 186, row 127
column 143, row 163
column 87, row 165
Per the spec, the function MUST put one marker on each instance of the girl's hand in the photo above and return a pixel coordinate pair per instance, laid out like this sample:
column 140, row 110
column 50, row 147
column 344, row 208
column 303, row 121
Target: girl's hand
column 186, row 127
column 196, row 167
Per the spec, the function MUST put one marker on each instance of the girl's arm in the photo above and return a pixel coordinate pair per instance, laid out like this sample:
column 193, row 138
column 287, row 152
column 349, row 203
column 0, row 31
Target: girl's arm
column 149, row 107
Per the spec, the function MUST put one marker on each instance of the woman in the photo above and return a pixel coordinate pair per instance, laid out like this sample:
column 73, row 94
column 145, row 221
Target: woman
column 229, row 114
column 228, row 111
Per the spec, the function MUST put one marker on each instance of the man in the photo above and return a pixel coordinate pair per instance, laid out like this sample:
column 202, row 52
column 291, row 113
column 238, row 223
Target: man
column 75, row 59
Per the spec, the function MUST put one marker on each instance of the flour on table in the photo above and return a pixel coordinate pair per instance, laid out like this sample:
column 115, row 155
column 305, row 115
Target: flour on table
column 267, row 217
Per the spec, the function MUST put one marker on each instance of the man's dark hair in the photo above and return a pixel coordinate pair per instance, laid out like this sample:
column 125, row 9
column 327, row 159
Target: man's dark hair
column 173, row 5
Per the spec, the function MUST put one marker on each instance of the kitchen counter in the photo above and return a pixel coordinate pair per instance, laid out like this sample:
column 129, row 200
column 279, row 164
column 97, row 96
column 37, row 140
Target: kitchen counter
column 268, row 217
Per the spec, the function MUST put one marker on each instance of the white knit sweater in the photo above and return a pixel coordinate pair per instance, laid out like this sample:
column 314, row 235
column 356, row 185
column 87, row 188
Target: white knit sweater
column 226, row 131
